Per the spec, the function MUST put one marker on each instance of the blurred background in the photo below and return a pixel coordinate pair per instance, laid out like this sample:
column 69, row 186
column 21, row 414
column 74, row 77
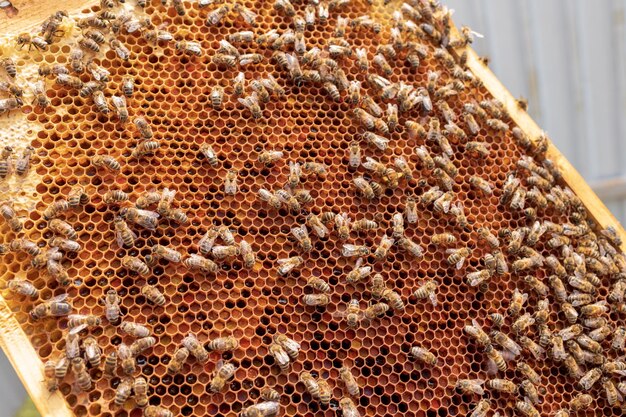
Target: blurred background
column 568, row 59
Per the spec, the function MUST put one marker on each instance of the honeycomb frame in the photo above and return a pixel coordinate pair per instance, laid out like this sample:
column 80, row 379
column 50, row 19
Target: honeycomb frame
column 27, row 362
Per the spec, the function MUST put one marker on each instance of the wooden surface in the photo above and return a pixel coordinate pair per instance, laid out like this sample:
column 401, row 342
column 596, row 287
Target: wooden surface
column 596, row 208
column 28, row 366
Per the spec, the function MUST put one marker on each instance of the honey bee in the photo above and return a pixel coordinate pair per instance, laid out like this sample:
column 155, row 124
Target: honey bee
column 239, row 83
column 55, row 209
column 178, row 360
column 600, row 333
column 223, row 374
column 349, row 250
column 50, row 379
column 223, row 60
column 126, row 358
column 123, row 235
column 445, row 181
column 527, row 409
column 443, row 239
column 142, row 344
column 144, row 218
column 83, row 379
column 359, row 272
column 384, row 246
column 221, row 251
column 143, row 127
column 617, row 292
column 36, row 42
column 6, row 165
column 318, row 284
column 476, row 333
column 528, row 372
column 310, row 384
column 56, row 271
column 590, row 378
column 558, row 349
column 164, row 252
column 378, row 141
column 62, row 228
column 479, row 278
column 106, row 161
column 580, row 402
column 245, row 36
column 580, row 283
column 280, row 356
column 197, row 262
column 594, row 310
column 24, row 245
column 363, row 224
column 136, row 265
column 481, row 409
column 573, row 369
column 268, row 158
column 134, row 329
column 536, row 350
column 78, row 322
column 502, row 385
column 517, row 302
column 505, row 342
column 619, row 339
column 365, row 22
column 316, row 299
column 153, row 295
column 8, row 104
column 364, row 187
column 471, row 123
column 89, row 88
column 348, row 407
column 457, row 256
column 76, row 60
column 589, row 344
column 157, row 411
column 88, row 44
column 471, row 386
column 93, row 353
column 314, row 222
column 115, row 196
column 287, row 265
column 22, row 287
column 189, row 48
column 100, row 101
column 123, row 391
column 217, row 97
column 497, row 320
column 263, row 409
column 354, row 154
column 375, row 310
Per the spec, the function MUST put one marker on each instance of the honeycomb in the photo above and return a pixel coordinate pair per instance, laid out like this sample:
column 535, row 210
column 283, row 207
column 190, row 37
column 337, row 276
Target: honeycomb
column 173, row 93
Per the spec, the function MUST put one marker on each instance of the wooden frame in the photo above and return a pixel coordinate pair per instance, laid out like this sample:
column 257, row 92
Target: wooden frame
column 596, row 208
column 16, row 344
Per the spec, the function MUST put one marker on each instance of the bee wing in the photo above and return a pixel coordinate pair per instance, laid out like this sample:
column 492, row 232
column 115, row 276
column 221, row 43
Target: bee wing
column 283, row 261
column 59, row 298
column 78, row 329
column 291, row 344
column 433, row 298
column 490, row 367
column 119, row 101
column 459, row 264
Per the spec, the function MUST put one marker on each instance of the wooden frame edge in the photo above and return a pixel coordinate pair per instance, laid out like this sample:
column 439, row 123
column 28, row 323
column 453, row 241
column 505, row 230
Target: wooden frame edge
column 28, row 365
column 595, row 207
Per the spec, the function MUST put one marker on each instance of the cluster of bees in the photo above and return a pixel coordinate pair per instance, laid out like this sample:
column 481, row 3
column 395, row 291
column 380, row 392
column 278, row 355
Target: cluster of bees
column 572, row 253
